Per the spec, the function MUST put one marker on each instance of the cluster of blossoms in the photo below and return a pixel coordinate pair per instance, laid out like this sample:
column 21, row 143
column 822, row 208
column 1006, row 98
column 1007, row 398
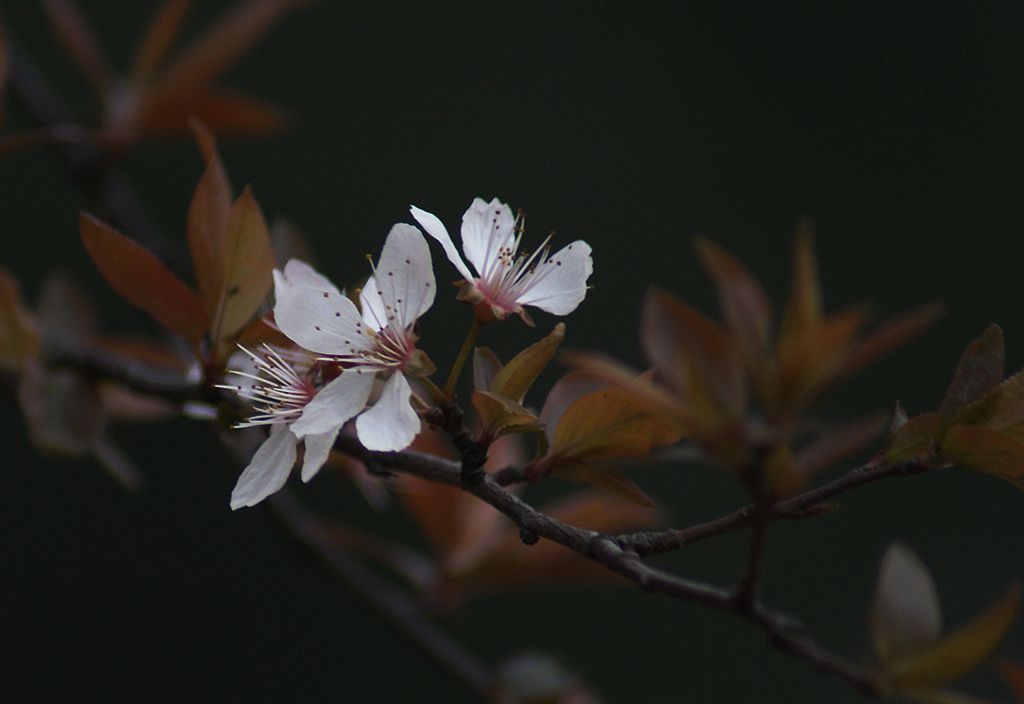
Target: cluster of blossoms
column 357, row 362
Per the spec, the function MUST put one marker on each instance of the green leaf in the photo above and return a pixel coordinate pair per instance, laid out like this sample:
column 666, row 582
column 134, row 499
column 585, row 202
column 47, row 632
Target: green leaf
column 142, row 280
column 515, row 378
column 486, row 366
column 1001, row 409
column 248, row 266
column 959, row 652
column 500, row 415
column 914, row 438
column 980, row 370
column 984, row 450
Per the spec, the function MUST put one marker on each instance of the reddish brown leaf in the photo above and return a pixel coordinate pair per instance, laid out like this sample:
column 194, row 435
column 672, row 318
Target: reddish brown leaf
column 262, row 331
column 889, row 336
column 984, row 450
column 745, row 306
column 563, row 394
column 608, row 424
column 1013, row 674
column 77, row 38
column 142, row 280
column 695, row 357
column 207, row 222
column 224, row 112
column 247, row 267
column 158, row 38
column 980, row 370
column 223, row 44
column 804, row 308
column 641, row 391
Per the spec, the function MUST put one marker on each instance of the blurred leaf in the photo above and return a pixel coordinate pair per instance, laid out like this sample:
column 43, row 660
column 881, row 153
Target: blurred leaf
column 248, row 265
column 804, row 309
column 224, row 112
column 980, row 370
column 208, row 216
column 260, row 331
column 1013, row 674
column 142, row 280
column 503, row 560
column 158, row 38
column 612, row 481
column 838, row 443
column 19, row 332
column 500, row 415
column 486, row 366
column 223, row 44
column 78, row 39
column 695, row 357
column 927, row 695
column 607, row 424
column 563, row 394
column 517, row 376
column 652, row 397
column 889, row 336
column 745, row 306
column 984, row 450
column 812, row 361
column 117, row 464
column 63, row 412
column 66, row 314
column 914, row 438
column 905, row 613
column 959, row 652
column 289, row 242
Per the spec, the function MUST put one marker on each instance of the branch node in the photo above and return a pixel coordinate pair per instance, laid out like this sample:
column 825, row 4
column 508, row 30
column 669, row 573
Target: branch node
column 528, row 536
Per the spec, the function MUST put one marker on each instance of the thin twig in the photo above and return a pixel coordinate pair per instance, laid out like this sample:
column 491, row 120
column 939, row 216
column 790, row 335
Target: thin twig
column 810, row 503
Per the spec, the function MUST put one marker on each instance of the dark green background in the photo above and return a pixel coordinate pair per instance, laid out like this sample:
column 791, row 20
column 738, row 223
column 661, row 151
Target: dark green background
column 633, row 126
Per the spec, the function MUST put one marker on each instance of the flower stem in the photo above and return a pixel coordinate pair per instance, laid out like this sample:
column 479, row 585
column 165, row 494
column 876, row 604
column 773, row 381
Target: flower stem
column 460, row 361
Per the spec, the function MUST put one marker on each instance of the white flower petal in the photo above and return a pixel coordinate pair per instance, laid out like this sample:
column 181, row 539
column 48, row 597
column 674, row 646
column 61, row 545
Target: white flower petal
column 561, row 282
column 905, row 613
column 299, row 274
column 436, row 229
column 334, row 404
column 268, row 470
column 318, row 448
column 486, row 229
column 405, row 275
column 391, row 424
column 319, row 319
column 375, row 315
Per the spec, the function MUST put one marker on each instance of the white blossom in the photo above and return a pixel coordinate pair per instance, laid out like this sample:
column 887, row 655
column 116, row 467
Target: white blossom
column 280, row 385
column 377, row 343
column 506, row 278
